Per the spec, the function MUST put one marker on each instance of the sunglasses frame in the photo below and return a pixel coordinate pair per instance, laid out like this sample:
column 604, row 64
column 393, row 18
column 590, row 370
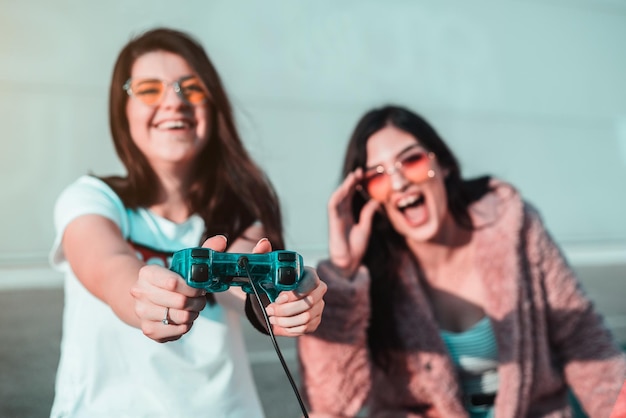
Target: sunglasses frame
column 176, row 84
column 397, row 167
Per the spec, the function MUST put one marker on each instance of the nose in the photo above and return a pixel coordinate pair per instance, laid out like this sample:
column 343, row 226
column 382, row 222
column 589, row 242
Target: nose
column 397, row 179
column 171, row 98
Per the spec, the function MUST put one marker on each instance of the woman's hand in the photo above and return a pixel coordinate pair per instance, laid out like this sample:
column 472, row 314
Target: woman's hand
column 295, row 312
column 298, row 311
column 347, row 239
column 165, row 305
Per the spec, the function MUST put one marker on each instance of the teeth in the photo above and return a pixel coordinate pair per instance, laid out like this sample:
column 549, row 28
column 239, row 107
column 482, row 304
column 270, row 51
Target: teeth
column 406, row 201
column 172, row 124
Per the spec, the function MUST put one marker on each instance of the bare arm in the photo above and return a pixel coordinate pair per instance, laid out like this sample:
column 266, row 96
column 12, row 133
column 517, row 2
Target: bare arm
column 138, row 294
column 103, row 262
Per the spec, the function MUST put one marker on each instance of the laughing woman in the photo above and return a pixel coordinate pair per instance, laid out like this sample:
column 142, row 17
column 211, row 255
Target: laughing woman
column 446, row 297
column 189, row 182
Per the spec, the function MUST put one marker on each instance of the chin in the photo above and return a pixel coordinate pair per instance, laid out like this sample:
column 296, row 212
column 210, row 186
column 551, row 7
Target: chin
column 423, row 233
column 420, row 236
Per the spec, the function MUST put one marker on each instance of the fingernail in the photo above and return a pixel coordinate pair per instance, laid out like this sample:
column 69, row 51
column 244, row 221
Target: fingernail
column 223, row 236
column 282, row 298
column 269, row 311
column 261, row 240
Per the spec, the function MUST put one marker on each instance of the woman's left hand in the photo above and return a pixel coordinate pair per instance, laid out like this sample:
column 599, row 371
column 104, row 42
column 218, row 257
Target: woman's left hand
column 299, row 311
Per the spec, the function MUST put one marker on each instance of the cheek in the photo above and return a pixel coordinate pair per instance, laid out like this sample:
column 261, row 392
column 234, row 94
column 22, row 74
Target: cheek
column 138, row 117
column 440, row 200
column 202, row 119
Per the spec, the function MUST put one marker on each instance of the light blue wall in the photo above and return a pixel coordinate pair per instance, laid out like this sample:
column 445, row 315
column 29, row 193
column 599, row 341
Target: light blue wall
column 531, row 91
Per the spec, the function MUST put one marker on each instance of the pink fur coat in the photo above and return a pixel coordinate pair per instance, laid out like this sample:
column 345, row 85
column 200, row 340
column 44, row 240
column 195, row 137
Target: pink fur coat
column 539, row 313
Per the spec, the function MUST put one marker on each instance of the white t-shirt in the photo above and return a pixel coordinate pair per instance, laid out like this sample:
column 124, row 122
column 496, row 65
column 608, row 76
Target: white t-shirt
column 110, row 369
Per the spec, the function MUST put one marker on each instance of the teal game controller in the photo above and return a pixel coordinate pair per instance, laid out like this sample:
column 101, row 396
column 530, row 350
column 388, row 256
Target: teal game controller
column 214, row 271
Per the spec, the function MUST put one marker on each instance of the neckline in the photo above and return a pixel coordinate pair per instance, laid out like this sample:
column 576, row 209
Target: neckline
column 481, row 322
column 162, row 219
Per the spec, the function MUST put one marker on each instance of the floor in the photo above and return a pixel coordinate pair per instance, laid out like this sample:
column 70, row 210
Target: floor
column 30, row 329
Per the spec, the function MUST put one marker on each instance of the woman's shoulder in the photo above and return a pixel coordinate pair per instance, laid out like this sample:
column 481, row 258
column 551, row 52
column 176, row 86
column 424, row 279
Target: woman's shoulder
column 89, row 194
column 507, row 195
column 503, row 191
column 502, row 205
column 501, row 199
column 88, row 184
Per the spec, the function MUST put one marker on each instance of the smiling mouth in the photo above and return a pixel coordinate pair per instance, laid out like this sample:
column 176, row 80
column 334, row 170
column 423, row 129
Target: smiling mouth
column 174, row 125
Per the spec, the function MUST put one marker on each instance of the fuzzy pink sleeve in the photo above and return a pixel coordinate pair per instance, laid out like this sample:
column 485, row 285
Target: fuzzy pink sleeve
column 334, row 361
column 619, row 410
column 594, row 366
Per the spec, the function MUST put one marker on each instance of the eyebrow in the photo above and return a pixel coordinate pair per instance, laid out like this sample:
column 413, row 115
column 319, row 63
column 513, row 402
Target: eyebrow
column 144, row 79
column 403, row 151
column 150, row 78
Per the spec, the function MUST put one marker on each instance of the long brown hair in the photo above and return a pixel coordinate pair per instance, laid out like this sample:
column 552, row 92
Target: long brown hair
column 386, row 246
column 228, row 190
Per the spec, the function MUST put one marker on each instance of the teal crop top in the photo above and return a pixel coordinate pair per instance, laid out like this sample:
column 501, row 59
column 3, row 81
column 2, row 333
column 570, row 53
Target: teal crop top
column 474, row 352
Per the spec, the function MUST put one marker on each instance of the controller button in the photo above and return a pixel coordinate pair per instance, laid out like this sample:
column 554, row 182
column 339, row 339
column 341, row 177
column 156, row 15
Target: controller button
column 200, row 273
column 287, row 256
column 286, row 275
column 199, row 253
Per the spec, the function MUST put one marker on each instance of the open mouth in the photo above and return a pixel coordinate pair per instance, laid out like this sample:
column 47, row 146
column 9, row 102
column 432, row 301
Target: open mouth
column 410, row 202
column 413, row 209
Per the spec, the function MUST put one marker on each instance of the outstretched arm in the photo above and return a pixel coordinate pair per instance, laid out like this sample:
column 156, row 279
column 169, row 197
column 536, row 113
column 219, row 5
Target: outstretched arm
column 108, row 267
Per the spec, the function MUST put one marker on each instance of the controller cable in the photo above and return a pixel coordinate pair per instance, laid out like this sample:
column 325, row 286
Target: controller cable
column 243, row 262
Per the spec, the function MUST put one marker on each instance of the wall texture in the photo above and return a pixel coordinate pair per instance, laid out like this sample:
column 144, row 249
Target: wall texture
column 531, row 91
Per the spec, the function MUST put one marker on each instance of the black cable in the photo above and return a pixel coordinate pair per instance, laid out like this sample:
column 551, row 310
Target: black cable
column 243, row 261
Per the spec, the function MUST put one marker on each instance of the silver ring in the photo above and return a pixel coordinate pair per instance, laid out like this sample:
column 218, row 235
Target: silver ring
column 166, row 321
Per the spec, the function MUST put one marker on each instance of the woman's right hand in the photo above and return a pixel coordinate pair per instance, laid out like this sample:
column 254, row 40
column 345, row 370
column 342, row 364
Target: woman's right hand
column 348, row 239
column 164, row 304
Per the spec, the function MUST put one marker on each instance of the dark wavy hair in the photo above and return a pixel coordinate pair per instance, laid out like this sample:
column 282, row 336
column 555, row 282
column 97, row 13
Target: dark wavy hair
column 386, row 246
column 228, row 190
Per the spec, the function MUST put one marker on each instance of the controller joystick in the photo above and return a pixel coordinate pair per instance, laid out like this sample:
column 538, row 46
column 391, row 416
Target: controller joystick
column 214, row 271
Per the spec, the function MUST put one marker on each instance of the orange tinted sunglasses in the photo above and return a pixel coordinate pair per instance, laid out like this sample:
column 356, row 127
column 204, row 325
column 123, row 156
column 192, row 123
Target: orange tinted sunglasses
column 151, row 91
column 414, row 164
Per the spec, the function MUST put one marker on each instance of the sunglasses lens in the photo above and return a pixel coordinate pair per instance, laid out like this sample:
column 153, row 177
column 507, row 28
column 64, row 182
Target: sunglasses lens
column 377, row 186
column 415, row 167
column 192, row 91
column 149, row 92
column 152, row 91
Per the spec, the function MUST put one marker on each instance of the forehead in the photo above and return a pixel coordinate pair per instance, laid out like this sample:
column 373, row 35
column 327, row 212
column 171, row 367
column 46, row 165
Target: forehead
column 385, row 145
column 160, row 64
